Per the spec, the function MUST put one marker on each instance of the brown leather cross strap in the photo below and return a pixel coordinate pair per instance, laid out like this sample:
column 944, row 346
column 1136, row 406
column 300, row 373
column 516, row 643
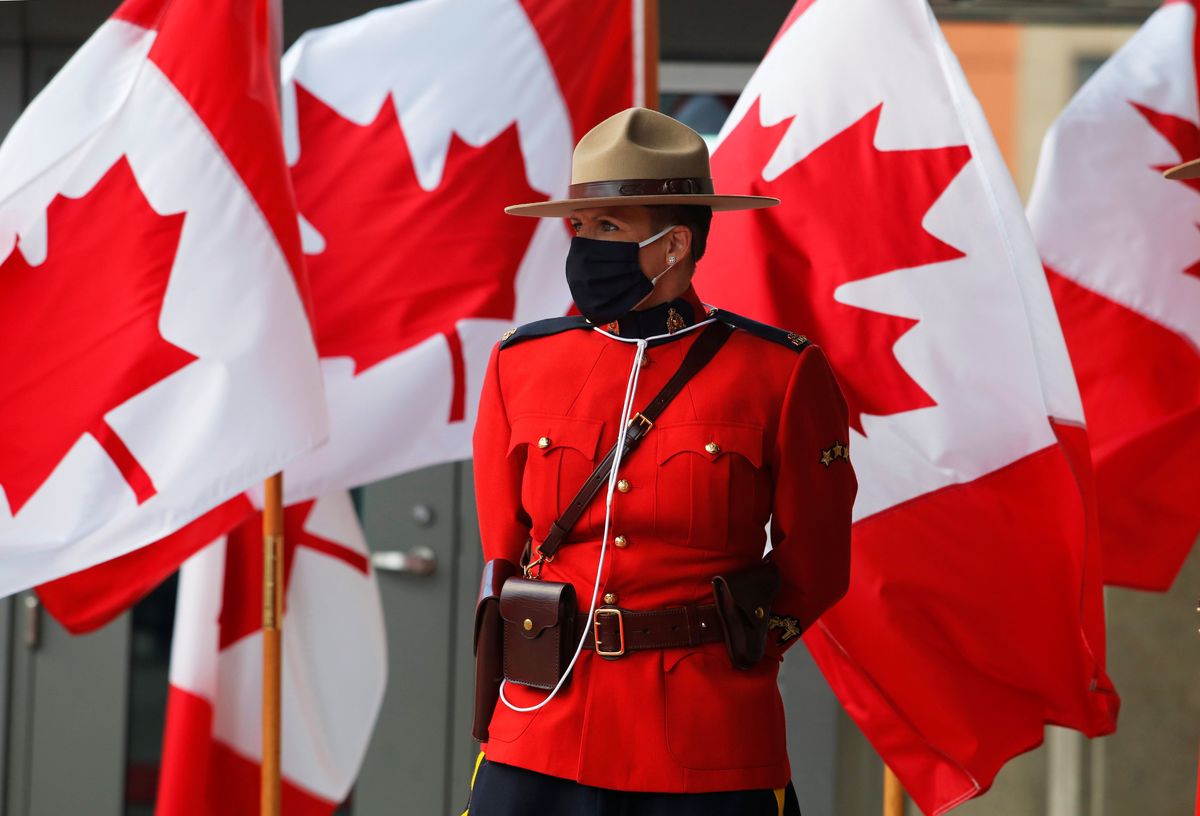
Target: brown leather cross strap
column 698, row 356
column 617, row 631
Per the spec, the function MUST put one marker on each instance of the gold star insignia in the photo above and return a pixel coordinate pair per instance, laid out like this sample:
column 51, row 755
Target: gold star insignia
column 837, row 451
column 797, row 339
column 508, row 334
column 826, row 457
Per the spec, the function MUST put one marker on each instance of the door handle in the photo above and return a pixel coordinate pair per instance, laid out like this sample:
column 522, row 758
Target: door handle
column 420, row 561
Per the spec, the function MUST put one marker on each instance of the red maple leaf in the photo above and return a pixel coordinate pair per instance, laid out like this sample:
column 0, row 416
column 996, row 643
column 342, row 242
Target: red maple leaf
column 81, row 332
column 401, row 263
column 849, row 212
column 242, row 604
column 1184, row 136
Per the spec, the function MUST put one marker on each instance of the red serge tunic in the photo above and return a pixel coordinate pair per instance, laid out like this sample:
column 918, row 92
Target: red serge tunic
column 758, row 435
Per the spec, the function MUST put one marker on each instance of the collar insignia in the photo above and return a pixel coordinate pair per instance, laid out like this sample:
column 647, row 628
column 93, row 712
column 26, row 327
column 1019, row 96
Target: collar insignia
column 675, row 321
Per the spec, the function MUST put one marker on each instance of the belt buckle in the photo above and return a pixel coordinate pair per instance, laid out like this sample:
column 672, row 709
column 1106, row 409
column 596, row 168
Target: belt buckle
column 643, row 422
column 596, row 632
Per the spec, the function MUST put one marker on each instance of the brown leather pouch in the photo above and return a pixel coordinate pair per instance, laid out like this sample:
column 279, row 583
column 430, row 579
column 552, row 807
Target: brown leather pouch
column 539, row 630
column 489, row 643
column 743, row 601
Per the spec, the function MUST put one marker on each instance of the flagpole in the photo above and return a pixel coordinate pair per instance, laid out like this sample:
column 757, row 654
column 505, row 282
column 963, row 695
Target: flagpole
column 270, row 780
column 272, row 643
column 650, row 48
column 893, row 794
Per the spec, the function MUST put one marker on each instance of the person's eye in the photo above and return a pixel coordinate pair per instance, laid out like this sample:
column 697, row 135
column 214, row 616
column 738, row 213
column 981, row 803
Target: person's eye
column 575, row 225
column 608, row 226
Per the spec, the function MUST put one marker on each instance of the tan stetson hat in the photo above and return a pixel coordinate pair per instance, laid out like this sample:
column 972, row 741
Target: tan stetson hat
column 640, row 156
column 1185, row 171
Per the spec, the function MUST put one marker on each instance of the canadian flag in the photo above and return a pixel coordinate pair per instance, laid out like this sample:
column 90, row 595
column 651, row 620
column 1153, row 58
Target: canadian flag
column 974, row 614
column 334, row 668
column 156, row 352
column 408, row 130
column 1122, row 254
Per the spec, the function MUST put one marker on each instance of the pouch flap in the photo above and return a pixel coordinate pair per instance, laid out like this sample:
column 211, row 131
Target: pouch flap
column 558, row 431
column 711, row 440
column 495, row 573
column 743, row 601
column 749, row 590
column 539, row 602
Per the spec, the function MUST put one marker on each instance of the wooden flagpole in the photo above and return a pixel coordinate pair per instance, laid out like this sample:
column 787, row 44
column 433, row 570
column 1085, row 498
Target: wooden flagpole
column 272, row 644
column 270, row 780
column 650, row 47
column 893, row 794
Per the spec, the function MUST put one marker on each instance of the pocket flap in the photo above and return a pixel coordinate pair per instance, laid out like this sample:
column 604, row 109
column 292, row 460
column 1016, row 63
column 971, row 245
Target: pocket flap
column 532, row 606
column 544, row 433
column 711, row 440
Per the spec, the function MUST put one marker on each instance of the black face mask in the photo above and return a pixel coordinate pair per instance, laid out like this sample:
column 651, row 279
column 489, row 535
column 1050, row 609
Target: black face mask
column 605, row 278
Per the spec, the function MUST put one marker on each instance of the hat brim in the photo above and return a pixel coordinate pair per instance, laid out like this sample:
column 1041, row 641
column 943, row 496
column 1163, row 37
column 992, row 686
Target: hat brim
column 564, row 207
column 1182, row 172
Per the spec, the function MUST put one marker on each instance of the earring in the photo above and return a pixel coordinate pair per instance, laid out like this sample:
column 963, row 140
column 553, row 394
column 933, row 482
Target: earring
column 670, row 259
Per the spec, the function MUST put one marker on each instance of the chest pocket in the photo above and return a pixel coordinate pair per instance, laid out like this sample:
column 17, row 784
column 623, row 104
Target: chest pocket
column 710, row 483
column 560, row 455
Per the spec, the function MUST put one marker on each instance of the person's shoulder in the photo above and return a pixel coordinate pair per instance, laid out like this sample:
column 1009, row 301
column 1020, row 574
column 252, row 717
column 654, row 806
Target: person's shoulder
column 788, row 339
column 547, row 327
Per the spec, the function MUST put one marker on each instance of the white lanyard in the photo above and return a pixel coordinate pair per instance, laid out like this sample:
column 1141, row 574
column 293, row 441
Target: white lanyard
column 626, row 410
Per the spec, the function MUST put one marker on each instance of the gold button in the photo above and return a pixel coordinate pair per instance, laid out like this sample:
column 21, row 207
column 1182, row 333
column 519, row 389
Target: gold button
column 544, row 442
column 621, row 542
column 645, row 361
column 713, row 448
column 610, row 598
column 759, row 612
column 623, row 485
column 528, row 624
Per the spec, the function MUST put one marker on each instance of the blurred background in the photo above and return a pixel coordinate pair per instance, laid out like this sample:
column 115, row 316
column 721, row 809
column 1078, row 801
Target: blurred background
column 81, row 718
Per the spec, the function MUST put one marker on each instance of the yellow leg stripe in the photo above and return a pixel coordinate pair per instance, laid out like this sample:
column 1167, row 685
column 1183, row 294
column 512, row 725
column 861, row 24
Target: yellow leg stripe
column 778, row 800
column 474, row 773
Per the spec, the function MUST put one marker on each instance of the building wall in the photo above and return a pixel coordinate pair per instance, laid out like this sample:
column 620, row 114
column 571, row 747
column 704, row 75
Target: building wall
column 1053, row 61
column 990, row 54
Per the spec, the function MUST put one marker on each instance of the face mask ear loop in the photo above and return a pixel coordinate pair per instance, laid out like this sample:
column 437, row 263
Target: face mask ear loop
column 626, row 410
column 654, row 238
column 654, row 280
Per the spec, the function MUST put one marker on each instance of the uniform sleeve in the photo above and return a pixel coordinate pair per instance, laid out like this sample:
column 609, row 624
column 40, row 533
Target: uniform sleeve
column 503, row 523
column 814, row 493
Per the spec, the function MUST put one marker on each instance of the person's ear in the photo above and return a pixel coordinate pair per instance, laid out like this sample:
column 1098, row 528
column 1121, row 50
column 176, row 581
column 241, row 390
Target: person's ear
column 679, row 243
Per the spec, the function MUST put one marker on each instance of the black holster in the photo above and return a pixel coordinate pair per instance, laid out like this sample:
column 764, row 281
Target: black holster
column 743, row 601
column 489, row 643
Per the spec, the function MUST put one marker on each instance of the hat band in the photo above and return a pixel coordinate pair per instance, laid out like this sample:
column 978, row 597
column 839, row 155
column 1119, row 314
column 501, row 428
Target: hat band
column 641, row 187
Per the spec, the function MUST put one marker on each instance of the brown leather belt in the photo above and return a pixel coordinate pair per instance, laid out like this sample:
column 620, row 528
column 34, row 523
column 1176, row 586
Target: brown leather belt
column 616, row 631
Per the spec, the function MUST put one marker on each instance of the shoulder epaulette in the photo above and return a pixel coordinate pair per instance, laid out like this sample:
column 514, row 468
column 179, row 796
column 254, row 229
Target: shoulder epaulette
column 543, row 328
column 796, row 342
